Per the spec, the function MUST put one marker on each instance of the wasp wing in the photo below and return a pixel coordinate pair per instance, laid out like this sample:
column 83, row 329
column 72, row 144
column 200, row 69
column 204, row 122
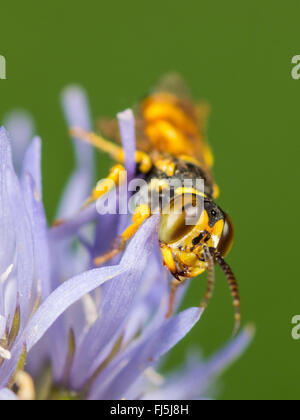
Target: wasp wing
column 173, row 90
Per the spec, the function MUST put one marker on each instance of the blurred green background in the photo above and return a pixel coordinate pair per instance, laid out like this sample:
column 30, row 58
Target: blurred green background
column 236, row 55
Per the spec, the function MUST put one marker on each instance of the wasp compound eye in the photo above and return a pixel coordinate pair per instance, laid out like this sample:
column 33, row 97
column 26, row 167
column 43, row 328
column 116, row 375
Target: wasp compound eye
column 227, row 237
column 180, row 218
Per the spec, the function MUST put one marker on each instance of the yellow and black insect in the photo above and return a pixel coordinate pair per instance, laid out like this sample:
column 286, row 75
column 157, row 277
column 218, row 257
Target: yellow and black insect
column 170, row 144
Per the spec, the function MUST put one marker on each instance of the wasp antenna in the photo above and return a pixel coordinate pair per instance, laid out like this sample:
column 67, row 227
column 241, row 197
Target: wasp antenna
column 210, row 277
column 233, row 289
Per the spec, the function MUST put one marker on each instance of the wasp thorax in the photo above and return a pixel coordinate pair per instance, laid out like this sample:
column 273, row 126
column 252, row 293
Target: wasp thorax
column 180, row 217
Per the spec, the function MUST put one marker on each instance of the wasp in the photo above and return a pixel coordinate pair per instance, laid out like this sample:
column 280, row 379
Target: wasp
column 171, row 144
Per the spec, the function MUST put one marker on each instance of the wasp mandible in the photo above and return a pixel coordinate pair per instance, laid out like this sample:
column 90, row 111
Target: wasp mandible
column 171, row 144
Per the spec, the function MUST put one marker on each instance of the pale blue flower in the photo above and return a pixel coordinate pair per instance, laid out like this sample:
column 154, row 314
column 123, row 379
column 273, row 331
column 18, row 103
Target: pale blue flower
column 102, row 342
column 25, row 264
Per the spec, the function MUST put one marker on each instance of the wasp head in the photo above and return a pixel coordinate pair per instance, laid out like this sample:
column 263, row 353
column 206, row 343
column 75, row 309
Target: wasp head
column 192, row 223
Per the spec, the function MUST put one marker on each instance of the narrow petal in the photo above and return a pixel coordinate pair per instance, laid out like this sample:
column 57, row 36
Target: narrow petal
column 153, row 299
column 63, row 297
column 3, row 278
column 32, row 163
column 77, row 114
column 77, row 190
column 119, row 295
column 7, row 245
column 71, row 226
column 21, row 129
column 74, row 289
column 15, row 230
column 40, row 233
column 9, row 366
column 23, row 242
column 127, row 131
column 233, row 350
column 2, row 317
column 192, row 383
column 106, row 231
column 116, row 380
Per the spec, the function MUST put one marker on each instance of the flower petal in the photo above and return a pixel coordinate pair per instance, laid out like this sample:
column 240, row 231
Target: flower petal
column 77, row 114
column 71, row 226
column 75, row 193
column 7, row 245
column 76, row 110
column 138, row 249
column 9, row 366
column 191, row 383
column 122, row 373
column 119, row 295
column 21, row 129
column 40, row 234
column 63, row 297
column 32, row 163
column 127, row 131
column 23, row 242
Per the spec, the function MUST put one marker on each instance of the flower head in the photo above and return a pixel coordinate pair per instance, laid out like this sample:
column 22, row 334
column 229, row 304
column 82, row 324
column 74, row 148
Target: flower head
column 102, row 331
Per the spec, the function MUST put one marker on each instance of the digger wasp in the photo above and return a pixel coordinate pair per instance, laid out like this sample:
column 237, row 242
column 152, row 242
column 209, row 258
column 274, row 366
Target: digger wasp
column 171, row 144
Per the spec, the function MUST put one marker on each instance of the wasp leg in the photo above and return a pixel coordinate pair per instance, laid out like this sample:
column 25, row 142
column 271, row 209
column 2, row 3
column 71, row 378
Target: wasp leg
column 173, row 288
column 177, row 281
column 116, row 152
column 115, row 178
column 141, row 213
